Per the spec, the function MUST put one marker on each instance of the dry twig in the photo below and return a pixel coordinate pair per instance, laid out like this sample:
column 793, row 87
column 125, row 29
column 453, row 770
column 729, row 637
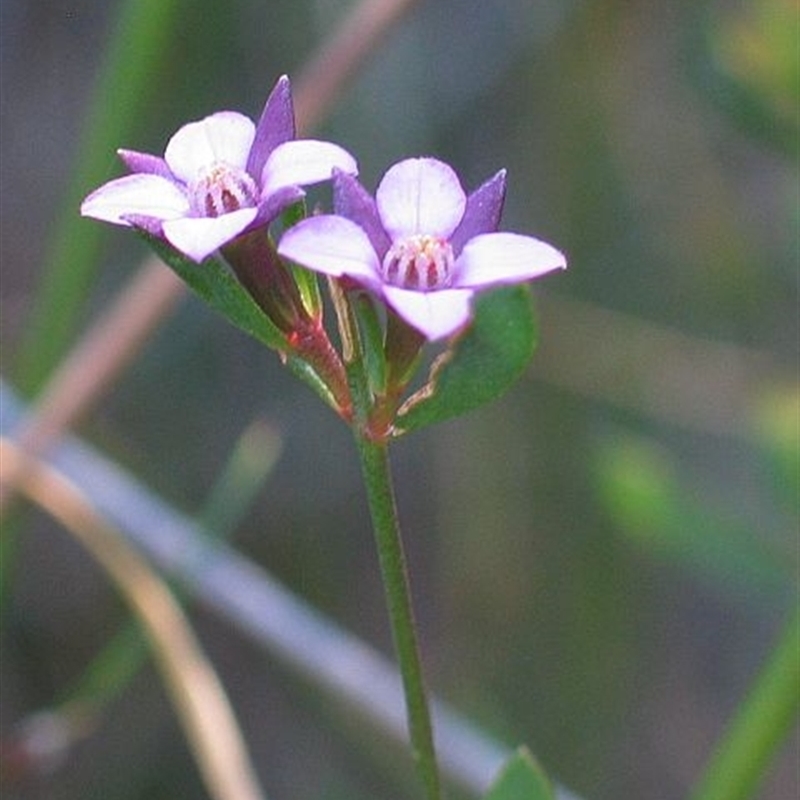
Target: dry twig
column 196, row 692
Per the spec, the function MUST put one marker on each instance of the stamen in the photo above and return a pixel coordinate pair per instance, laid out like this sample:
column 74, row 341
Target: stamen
column 419, row 262
column 222, row 188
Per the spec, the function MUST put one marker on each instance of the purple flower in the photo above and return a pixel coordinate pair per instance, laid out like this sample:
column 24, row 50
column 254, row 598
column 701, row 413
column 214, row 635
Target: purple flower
column 219, row 177
column 421, row 244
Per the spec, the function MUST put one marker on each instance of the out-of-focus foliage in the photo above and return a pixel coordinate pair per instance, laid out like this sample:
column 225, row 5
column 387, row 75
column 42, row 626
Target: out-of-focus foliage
column 778, row 428
column 668, row 517
column 753, row 56
column 521, row 779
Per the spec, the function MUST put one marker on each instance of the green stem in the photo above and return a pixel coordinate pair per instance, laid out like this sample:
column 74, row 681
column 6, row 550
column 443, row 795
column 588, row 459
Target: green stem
column 378, row 481
column 762, row 722
column 374, row 456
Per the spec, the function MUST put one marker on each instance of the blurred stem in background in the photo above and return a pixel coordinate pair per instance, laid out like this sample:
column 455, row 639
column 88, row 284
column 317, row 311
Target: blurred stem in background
column 760, row 725
column 124, row 89
column 196, row 693
column 250, row 464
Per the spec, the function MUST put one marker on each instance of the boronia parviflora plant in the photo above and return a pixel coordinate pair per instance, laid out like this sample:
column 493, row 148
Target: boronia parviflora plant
column 421, row 261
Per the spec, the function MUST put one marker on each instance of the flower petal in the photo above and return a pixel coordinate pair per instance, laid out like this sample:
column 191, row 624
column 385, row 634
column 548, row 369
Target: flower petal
column 303, row 162
column 482, row 215
column 275, row 126
column 270, row 207
column 145, row 195
column 493, row 259
column 198, row 237
column 353, row 201
column 145, row 163
column 334, row 246
column 225, row 136
column 434, row 314
column 420, row 196
column 151, row 225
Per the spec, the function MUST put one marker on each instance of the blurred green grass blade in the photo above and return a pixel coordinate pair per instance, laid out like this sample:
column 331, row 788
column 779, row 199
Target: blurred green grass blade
column 125, row 86
column 763, row 721
column 253, row 458
column 521, row 779
column 111, row 669
column 640, row 488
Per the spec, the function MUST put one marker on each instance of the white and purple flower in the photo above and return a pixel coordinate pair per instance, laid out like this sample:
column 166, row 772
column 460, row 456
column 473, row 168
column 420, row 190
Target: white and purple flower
column 220, row 177
column 421, row 244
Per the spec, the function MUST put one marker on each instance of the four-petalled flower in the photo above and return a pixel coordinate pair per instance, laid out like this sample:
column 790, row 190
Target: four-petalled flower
column 421, row 244
column 220, row 177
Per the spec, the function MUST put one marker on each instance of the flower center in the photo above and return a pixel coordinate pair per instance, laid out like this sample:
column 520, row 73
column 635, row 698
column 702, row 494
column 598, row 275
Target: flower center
column 419, row 262
column 222, row 188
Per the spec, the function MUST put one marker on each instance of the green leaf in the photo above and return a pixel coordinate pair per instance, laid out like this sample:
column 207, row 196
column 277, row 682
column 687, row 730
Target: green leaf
column 219, row 288
column 521, row 779
column 483, row 364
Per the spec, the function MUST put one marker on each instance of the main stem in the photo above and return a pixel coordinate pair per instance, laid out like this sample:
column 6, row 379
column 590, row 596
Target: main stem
column 378, row 481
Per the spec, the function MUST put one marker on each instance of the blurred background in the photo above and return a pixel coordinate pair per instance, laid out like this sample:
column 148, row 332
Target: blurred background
column 603, row 559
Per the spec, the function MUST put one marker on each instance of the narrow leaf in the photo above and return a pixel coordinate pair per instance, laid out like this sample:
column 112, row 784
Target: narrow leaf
column 521, row 779
column 219, row 288
column 484, row 363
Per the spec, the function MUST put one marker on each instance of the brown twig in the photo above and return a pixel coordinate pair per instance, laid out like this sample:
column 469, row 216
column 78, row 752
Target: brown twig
column 196, row 692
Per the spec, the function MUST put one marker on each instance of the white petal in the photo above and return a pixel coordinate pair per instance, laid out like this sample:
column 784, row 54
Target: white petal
column 498, row 258
column 225, row 136
column 434, row 314
column 141, row 194
column 303, row 162
column 332, row 245
column 420, row 196
column 198, row 237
